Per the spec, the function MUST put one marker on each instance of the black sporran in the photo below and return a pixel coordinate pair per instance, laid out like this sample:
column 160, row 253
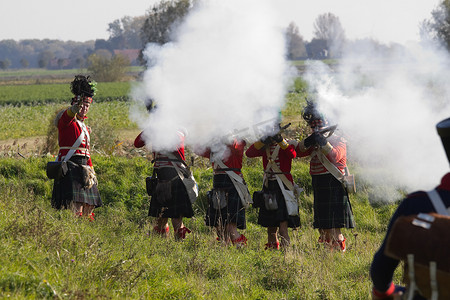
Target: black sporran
column 163, row 191
column 270, row 201
column 218, row 198
column 88, row 177
column 85, row 175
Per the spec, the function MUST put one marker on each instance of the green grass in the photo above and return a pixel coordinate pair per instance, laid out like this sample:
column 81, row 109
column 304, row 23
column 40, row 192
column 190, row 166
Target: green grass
column 46, row 253
column 33, row 72
column 33, row 106
column 36, row 94
column 29, row 121
column 39, row 72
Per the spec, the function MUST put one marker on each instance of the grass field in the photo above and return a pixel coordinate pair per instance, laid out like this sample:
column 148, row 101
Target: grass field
column 36, row 94
column 46, row 253
column 42, row 73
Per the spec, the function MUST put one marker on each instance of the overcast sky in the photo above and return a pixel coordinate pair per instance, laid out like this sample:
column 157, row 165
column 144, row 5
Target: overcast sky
column 384, row 20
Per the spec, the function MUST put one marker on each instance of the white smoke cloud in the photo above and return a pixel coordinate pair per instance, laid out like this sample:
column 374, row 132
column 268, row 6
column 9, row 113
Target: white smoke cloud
column 387, row 108
column 225, row 71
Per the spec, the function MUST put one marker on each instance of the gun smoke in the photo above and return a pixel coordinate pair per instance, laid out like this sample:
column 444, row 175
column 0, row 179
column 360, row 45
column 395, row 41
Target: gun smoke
column 387, row 108
column 225, row 71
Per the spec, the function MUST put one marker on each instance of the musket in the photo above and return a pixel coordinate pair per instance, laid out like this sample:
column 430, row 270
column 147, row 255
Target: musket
column 329, row 129
column 282, row 129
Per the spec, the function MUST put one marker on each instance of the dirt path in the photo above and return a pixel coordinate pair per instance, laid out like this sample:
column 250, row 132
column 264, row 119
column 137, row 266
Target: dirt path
column 34, row 145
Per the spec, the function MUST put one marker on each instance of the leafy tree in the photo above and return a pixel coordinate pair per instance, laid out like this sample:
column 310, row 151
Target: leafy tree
column 295, row 45
column 102, row 44
column 80, row 62
column 125, row 33
column 61, row 62
column 44, row 58
column 8, row 50
column 76, row 58
column 438, row 27
column 317, row 49
column 5, row 64
column 106, row 54
column 328, row 27
column 32, row 50
column 24, row 63
column 162, row 19
column 108, row 69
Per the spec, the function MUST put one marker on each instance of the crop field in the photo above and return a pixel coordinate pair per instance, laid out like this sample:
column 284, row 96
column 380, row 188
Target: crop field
column 6, row 75
column 56, row 93
column 45, row 253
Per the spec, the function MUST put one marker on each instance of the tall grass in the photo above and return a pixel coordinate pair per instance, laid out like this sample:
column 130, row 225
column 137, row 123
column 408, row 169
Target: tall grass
column 46, row 253
column 29, row 121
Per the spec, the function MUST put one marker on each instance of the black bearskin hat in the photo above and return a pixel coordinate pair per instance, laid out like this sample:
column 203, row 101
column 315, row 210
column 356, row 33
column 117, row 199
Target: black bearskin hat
column 311, row 114
column 83, row 86
column 443, row 129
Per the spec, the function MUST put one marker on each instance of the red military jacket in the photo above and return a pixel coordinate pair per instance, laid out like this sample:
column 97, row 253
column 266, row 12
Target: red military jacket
column 68, row 132
column 283, row 161
column 233, row 157
column 162, row 160
column 335, row 151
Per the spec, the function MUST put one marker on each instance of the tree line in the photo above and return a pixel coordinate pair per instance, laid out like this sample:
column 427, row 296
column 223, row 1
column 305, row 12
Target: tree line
column 156, row 26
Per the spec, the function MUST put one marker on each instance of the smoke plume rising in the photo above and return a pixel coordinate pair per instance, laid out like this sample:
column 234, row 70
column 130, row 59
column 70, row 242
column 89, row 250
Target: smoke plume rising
column 224, row 73
column 387, row 108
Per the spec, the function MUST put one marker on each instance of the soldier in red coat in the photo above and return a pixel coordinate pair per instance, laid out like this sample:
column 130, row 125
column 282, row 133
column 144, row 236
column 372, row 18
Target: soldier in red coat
column 229, row 197
column 77, row 189
column 279, row 210
column 332, row 209
column 171, row 198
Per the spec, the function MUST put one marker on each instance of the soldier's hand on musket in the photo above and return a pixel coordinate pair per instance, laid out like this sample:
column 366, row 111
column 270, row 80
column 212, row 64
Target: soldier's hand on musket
column 266, row 140
column 76, row 106
column 320, row 139
column 277, row 138
column 310, row 140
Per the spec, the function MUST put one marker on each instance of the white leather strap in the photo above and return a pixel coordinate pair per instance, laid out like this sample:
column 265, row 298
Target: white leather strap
column 73, row 148
column 330, row 167
column 437, row 202
column 238, row 183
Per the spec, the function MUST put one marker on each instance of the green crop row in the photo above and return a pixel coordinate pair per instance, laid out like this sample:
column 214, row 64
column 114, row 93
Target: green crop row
column 36, row 72
column 57, row 93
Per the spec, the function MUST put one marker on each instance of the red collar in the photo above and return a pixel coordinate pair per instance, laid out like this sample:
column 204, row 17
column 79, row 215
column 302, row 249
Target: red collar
column 445, row 182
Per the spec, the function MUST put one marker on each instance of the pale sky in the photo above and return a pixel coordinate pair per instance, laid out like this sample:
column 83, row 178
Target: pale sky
column 384, row 20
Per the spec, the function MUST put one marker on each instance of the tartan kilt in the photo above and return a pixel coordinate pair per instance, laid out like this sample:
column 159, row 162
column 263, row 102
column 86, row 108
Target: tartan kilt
column 332, row 208
column 70, row 188
column 273, row 218
column 179, row 205
column 233, row 212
